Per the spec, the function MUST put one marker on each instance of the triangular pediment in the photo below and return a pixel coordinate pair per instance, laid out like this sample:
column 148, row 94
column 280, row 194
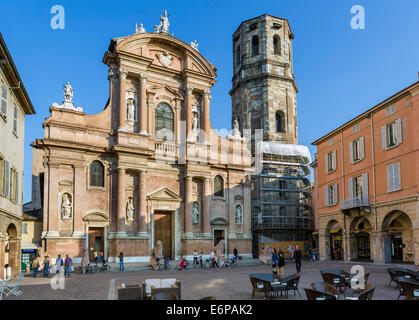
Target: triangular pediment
column 165, row 194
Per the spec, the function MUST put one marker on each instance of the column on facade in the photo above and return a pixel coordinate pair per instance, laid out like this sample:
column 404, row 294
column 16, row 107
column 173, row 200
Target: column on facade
column 122, row 99
column 322, row 247
column 142, row 203
column 121, row 199
column 206, row 216
column 246, row 218
column 188, row 113
column 206, row 115
column 53, row 205
column 79, row 185
column 142, row 103
column 188, row 204
column 346, row 247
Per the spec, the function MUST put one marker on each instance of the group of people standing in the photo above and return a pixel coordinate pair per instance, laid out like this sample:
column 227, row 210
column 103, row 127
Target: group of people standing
column 47, row 264
column 278, row 260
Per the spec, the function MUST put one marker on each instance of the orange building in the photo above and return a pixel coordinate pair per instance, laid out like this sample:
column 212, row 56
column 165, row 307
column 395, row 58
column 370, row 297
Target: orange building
column 367, row 184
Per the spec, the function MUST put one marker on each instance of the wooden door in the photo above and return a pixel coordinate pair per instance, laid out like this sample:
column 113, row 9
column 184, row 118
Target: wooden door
column 163, row 231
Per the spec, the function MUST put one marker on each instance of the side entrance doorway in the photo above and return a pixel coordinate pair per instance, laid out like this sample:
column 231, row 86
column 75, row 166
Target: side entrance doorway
column 96, row 241
column 163, row 231
column 218, row 236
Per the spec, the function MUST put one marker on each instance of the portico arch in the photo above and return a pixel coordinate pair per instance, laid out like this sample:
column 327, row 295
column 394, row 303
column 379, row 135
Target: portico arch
column 12, row 250
column 360, row 240
column 398, row 237
column 334, row 240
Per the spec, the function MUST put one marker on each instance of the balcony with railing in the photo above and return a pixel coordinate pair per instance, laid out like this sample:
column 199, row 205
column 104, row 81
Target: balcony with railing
column 165, row 148
column 355, row 203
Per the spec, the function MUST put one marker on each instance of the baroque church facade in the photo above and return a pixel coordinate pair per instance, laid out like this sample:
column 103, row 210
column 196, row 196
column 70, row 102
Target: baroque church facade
column 149, row 166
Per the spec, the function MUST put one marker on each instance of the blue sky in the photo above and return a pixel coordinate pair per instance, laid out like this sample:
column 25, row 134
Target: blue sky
column 340, row 72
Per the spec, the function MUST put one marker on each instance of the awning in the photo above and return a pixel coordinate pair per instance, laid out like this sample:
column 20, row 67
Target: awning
column 335, row 230
column 315, row 233
column 28, row 245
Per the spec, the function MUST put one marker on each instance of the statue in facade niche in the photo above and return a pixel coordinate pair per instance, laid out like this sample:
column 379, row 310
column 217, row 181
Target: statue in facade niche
column 130, row 209
column 68, row 92
column 66, row 206
column 195, row 213
column 238, row 213
column 195, row 122
column 131, row 110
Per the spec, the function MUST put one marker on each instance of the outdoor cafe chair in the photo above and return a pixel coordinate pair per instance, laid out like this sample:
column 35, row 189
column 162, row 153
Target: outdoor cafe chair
column 360, row 294
column 408, row 288
column 318, row 295
column 259, row 287
column 292, row 283
column 15, row 288
column 335, row 280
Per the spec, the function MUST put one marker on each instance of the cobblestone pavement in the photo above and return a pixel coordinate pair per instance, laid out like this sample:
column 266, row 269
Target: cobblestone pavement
column 228, row 284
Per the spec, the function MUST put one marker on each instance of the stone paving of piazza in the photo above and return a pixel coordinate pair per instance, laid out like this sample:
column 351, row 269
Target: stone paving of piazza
column 227, row 283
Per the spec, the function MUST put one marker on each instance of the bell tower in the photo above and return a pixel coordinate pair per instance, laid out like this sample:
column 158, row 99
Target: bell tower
column 264, row 89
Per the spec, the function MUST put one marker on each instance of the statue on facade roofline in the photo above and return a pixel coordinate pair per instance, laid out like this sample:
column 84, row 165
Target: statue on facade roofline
column 68, row 92
column 163, row 27
column 194, row 44
column 141, row 29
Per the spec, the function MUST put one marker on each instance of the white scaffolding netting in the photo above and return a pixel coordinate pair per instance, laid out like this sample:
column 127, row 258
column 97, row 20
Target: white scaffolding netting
column 279, row 149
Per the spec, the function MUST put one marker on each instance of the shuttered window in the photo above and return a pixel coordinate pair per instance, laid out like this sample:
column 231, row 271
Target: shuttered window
column 1, row 174
column 393, row 177
column 15, row 119
column 331, row 195
column 392, row 134
column 330, row 161
column 356, row 150
column 4, row 99
column 6, row 179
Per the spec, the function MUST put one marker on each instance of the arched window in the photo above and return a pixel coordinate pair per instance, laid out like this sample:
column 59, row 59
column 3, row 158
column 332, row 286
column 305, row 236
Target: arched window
column 277, row 44
column 97, row 173
column 164, row 122
column 255, row 45
column 280, row 122
column 219, row 186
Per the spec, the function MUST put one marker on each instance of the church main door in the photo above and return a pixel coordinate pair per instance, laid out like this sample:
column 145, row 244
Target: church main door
column 163, row 231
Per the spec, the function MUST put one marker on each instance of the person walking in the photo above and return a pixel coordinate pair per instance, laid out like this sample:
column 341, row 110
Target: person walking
column 67, row 265
column 297, row 258
column 274, row 261
column 95, row 256
column 59, row 264
column 46, row 266
column 121, row 262
column 235, row 254
column 281, row 263
column 35, row 267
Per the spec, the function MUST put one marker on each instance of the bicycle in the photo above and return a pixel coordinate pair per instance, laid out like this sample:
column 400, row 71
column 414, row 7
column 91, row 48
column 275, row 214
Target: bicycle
column 161, row 266
column 105, row 268
column 231, row 262
column 92, row 268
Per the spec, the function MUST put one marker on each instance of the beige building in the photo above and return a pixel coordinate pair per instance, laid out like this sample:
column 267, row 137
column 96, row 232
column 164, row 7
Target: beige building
column 14, row 106
column 149, row 166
